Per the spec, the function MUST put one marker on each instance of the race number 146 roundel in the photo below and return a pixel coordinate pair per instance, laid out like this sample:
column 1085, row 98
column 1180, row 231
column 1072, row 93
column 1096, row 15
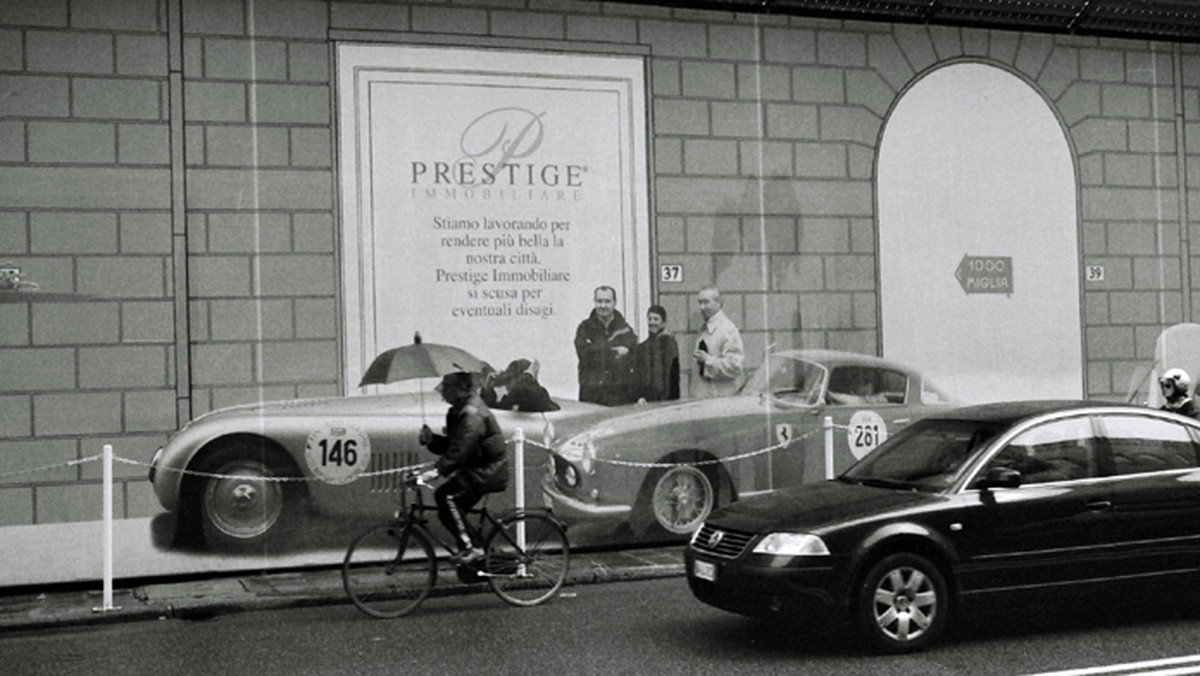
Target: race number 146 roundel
column 337, row 454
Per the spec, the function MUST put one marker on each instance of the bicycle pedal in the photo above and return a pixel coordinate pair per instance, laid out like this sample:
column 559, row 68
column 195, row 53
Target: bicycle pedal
column 469, row 574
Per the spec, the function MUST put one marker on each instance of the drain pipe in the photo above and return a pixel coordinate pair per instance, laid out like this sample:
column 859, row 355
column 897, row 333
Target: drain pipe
column 1185, row 255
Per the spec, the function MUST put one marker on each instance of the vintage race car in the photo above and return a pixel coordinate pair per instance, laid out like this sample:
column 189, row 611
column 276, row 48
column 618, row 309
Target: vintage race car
column 658, row 470
column 237, row 476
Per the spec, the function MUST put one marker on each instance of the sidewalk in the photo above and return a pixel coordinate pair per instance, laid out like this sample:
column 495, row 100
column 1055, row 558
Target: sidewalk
column 277, row 590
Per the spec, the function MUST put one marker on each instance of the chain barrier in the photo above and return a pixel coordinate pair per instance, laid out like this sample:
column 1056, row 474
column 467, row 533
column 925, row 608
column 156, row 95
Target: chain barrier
column 697, row 463
column 273, row 479
column 412, row 468
column 47, row 468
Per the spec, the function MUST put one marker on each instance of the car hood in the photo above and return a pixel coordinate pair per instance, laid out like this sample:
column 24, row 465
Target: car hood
column 638, row 419
column 816, row 507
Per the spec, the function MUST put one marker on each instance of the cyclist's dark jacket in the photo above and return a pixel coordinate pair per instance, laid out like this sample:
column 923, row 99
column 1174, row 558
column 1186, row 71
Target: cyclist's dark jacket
column 473, row 443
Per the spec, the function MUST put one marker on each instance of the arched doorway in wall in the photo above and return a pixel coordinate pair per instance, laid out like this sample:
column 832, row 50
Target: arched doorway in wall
column 978, row 237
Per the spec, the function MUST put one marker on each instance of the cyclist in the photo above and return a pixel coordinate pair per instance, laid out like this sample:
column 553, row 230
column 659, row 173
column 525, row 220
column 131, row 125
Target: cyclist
column 471, row 458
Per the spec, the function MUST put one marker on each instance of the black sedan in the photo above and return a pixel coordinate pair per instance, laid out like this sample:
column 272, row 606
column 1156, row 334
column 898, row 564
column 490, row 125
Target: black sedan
column 1014, row 502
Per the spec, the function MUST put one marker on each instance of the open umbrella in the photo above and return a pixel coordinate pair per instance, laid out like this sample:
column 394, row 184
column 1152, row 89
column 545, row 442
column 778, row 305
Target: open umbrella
column 420, row 360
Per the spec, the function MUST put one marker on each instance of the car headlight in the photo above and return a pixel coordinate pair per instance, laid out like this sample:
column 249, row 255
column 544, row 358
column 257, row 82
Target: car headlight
column 570, row 476
column 792, row 544
column 582, row 448
column 589, row 457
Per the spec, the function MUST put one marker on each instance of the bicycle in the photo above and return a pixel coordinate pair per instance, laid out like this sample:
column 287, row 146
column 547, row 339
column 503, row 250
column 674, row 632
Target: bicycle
column 391, row 567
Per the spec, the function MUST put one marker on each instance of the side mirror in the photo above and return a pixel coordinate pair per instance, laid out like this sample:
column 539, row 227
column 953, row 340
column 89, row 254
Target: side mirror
column 1001, row 477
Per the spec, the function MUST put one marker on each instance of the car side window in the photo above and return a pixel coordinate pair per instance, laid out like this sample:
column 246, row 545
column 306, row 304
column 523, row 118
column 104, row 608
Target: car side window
column 856, row 385
column 1138, row 444
column 893, row 385
column 1062, row 450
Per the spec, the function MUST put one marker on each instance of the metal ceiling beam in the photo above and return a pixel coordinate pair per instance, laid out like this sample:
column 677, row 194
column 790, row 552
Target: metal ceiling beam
column 1171, row 20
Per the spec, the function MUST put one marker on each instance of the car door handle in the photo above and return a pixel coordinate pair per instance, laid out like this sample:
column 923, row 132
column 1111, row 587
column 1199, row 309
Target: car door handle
column 1098, row 505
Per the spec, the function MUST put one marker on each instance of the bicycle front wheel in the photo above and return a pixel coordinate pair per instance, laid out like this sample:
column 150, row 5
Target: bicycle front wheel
column 528, row 574
column 389, row 570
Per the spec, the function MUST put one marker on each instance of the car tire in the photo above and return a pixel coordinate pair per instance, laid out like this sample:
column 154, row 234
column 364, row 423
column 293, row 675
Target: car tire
column 680, row 499
column 902, row 603
column 238, row 500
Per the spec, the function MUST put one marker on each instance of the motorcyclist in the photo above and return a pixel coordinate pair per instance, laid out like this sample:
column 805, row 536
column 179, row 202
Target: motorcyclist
column 1176, row 387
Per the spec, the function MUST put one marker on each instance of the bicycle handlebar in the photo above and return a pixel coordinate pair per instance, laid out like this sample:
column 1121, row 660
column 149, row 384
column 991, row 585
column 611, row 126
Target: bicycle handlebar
column 413, row 478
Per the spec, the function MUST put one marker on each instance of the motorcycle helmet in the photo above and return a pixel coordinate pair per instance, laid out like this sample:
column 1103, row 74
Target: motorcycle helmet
column 1176, row 384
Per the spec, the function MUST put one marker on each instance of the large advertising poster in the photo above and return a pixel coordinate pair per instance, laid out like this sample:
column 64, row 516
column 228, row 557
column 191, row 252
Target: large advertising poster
column 485, row 194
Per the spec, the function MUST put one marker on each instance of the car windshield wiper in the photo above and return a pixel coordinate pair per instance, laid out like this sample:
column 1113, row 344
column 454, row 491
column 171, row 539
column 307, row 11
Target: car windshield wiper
column 877, row 482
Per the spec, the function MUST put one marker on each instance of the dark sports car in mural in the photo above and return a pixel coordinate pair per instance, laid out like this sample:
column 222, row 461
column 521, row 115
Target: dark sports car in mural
column 981, row 506
column 658, row 470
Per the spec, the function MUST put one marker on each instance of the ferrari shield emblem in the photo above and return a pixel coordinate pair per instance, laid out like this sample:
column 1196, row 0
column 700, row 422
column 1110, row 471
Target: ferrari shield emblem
column 783, row 433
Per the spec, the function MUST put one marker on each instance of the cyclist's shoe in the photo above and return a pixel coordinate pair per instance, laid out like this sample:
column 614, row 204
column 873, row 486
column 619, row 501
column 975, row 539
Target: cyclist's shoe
column 468, row 556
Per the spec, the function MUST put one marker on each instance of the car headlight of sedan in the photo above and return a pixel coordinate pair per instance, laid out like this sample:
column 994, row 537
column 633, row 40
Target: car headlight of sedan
column 792, row 544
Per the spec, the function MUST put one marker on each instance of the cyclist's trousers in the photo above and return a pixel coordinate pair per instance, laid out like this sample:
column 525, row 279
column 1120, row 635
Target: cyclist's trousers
column 454, row 498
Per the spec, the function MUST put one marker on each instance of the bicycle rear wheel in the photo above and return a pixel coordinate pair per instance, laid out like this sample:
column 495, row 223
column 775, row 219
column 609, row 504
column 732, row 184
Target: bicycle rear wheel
column 389, row 570
column 530, row 575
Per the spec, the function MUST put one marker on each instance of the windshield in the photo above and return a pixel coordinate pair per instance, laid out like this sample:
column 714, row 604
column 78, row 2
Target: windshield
column 787, row 378
column 929, row 456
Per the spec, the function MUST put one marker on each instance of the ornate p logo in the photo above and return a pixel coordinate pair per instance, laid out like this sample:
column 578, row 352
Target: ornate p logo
column 514, row 132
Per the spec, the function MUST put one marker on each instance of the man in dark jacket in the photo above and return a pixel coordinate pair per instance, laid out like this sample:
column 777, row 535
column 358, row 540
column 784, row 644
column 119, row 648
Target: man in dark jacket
column 604, row 343
column 471, row 458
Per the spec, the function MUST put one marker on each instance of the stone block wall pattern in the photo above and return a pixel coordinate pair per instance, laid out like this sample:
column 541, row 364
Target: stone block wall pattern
column 167, row 170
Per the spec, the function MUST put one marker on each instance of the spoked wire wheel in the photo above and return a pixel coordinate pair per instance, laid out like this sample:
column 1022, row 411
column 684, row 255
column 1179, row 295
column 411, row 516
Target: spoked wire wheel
column 389, row 570
column 683, row 498
column 534, row 576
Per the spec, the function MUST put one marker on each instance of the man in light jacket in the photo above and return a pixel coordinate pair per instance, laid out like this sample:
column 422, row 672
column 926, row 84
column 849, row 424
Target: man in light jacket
column 719, row 353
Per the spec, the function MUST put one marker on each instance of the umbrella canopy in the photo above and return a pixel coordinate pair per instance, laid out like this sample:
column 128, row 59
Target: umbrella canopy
column 420, row 360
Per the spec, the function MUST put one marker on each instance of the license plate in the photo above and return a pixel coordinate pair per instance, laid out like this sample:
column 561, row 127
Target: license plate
column 704, row 570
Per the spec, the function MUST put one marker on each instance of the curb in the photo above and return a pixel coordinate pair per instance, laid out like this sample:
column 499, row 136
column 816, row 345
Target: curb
column 203, row 599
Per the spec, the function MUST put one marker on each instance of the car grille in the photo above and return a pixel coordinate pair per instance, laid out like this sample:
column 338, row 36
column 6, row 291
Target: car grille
column 720, row 542
column 389, row 481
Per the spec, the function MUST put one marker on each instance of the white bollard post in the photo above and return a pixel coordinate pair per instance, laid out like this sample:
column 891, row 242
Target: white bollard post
column 827, row 424
column 107, row 462
column 519, row 468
